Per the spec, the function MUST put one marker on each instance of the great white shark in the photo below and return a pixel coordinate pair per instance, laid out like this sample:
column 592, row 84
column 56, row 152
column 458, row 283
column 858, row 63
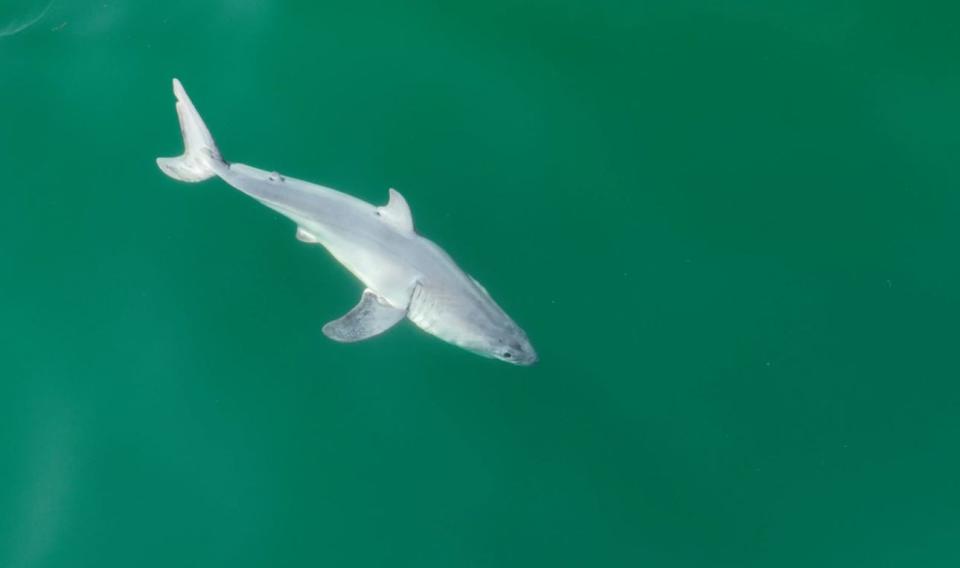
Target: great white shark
column 405, row 274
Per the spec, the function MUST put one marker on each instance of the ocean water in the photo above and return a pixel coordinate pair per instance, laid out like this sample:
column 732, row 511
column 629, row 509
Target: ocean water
column 729, row 228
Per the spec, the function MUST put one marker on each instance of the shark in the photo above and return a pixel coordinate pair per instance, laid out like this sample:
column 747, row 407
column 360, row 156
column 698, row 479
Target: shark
column 405, row 275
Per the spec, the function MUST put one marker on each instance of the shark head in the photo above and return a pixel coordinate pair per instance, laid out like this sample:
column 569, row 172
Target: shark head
column 469, row 318
column 511, row 345
column 504, row 341
column 488, row 330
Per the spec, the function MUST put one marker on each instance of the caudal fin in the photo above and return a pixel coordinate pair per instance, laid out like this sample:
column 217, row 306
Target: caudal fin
column 200, row 154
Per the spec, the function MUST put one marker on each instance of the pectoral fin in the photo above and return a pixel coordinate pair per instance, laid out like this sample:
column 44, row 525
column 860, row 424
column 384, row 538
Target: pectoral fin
column 367, row 319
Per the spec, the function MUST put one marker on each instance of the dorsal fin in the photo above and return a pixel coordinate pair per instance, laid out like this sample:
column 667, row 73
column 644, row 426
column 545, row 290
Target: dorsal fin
column 397, row 212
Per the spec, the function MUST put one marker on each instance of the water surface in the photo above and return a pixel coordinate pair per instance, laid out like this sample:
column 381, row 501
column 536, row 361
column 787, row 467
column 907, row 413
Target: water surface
column 729, row 229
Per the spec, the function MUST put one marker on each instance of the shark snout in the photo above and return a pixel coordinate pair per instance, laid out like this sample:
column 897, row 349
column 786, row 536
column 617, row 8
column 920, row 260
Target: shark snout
column 530, row 358
column 519, row 353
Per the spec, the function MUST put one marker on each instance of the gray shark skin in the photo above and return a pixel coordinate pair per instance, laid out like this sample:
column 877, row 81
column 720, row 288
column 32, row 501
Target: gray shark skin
column 405, row 275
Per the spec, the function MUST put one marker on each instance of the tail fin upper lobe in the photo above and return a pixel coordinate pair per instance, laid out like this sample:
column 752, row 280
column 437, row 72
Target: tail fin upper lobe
column 200, row 154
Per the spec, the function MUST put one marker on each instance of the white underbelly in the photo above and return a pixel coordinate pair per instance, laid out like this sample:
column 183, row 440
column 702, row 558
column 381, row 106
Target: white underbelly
column 388, row 277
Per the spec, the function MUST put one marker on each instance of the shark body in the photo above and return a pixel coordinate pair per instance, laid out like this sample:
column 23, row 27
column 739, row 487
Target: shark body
column 405, row 274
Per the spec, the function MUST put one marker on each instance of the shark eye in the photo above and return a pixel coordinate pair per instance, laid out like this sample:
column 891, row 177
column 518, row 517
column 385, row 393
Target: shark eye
column 507, row 354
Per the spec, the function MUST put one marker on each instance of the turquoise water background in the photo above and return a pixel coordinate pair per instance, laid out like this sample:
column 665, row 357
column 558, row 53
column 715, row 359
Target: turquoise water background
column 729, row 228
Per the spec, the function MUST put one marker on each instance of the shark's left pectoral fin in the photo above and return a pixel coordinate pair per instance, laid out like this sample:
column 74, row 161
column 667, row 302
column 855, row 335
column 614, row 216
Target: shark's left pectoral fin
column 371, row 317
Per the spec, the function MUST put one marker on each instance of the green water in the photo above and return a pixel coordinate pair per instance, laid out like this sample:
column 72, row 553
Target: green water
column 730, row 229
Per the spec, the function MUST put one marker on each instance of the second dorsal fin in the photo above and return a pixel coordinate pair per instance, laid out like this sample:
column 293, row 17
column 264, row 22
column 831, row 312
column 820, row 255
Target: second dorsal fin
column 397, row 212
